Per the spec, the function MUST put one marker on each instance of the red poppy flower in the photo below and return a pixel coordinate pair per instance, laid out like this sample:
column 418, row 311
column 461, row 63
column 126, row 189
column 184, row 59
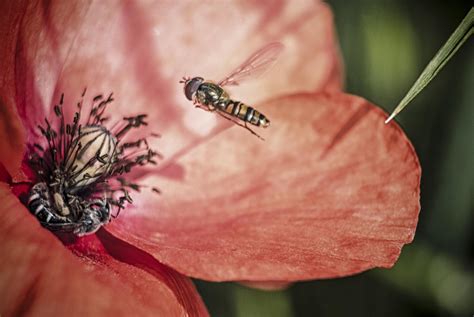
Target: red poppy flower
column 331, row 192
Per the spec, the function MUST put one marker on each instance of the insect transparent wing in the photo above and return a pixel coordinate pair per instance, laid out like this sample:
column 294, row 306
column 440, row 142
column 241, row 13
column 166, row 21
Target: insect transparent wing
column 255, row 65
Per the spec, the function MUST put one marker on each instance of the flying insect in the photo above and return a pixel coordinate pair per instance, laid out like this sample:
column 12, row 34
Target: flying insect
column 212, row 97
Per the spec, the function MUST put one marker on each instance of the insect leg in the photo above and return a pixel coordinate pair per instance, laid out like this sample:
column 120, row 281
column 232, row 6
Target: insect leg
column 202, row 107
column 240, row 124
column 205, row 108
column 251, row 131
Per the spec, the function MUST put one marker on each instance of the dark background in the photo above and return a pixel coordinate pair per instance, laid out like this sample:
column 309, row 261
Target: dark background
column 385, row 46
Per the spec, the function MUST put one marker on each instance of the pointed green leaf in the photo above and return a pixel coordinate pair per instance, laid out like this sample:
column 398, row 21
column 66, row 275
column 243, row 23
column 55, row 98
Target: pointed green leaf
column 455, row 41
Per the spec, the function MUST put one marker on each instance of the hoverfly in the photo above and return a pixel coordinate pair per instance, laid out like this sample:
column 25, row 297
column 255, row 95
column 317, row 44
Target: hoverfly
column 212, row 97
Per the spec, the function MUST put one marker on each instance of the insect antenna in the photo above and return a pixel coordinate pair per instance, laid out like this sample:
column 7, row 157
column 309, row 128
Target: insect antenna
column 184, row 80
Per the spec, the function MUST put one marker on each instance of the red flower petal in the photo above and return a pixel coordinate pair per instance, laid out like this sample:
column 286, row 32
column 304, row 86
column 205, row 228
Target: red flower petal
column 331, row 192
column 38, row 276
column 12, row 142
column 12, row 137
column 140, row 51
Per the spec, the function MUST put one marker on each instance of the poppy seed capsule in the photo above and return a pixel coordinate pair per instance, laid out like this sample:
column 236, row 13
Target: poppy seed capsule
column 91, row 156
column 81, row 179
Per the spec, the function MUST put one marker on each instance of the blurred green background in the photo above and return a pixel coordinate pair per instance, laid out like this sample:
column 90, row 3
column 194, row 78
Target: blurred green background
column 385, row 46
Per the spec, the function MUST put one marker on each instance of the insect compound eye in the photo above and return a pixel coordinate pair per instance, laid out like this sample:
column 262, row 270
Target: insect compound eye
column 191, row 87
column 90, row 156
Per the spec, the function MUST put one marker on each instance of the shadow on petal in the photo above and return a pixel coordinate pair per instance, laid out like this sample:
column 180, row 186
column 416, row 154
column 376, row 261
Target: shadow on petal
column 182, row 287
column 347, row 127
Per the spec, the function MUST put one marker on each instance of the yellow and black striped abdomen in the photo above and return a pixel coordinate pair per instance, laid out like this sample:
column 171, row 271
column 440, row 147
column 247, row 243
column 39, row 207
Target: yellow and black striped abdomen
column 246, row 113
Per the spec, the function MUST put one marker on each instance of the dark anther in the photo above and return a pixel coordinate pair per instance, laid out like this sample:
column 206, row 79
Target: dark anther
column 133, row 122
column 74, row 193
column 57, row 111
column 39, row 147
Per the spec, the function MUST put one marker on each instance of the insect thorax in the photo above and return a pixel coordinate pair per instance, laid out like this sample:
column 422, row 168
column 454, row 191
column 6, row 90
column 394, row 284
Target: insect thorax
column 211, row 94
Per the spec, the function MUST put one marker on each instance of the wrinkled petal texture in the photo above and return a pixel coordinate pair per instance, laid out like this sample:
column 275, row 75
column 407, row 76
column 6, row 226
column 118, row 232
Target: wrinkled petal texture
column 39, row 277
column 331, row 192
column 140, row 50
column 12, row 135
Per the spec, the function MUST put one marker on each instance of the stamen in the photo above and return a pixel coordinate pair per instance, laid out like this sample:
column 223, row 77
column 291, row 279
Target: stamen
column 75, row 168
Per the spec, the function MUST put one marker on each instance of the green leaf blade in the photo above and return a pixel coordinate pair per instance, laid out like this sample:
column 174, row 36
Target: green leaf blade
column 447, row 51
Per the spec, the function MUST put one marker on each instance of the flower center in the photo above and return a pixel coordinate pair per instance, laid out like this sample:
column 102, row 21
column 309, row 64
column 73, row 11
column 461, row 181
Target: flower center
column 81, row 168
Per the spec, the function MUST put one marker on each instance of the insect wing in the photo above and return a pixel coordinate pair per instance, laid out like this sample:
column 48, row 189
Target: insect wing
column 255, row 65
